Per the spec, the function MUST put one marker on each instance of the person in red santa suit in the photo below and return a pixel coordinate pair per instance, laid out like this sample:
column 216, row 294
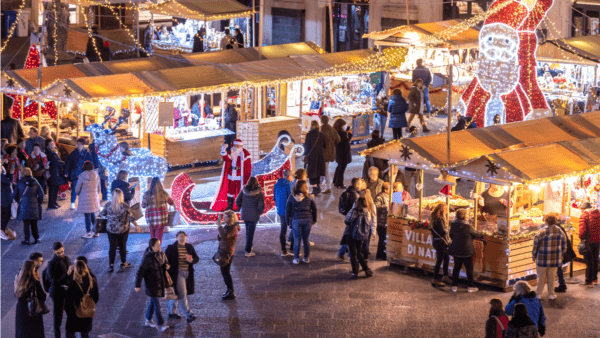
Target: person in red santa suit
column 237, row 166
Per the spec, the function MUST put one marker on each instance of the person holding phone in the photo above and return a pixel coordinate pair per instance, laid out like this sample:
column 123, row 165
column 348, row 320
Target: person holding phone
column 182, row 257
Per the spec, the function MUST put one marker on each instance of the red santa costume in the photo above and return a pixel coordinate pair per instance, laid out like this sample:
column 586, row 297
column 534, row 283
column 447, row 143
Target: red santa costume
column 237, row 167
column 524, row 16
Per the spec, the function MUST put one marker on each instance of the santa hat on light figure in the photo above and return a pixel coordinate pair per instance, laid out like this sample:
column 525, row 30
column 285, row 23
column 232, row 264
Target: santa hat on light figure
column 238, row 142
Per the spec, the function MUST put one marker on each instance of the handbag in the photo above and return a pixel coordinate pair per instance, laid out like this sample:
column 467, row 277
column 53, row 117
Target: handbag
column 584, row 245
column 446, row 239
column 101, row 225
column 136, row 211
column 221, row 258
column 170, row 293
column 14, row 208
column 35, row 305
column 173, row 218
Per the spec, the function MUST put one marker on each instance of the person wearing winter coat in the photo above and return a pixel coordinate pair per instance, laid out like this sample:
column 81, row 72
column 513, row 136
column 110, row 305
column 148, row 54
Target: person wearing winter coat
column 29, row 195
column 462, row 248
column 346, row 203
column 374, row 183
column 230, row 117
column 55, row 167
column 11, row 128
column 182, row 257
column 355, row 244
column 315, row 144
column 441, row 239
column 549, row 246
column 523, row 294
column 397, row 107
column 228, row 235
column 521, row 325
column 198, row 41
column 380, row 164
column 301, row 215
column 281, row 194
column 81, row 283
column 88, row 191
column 7, row 200
column 423, row 73
column 38, row 163
column 58, row 268
column 12, row 163
column 343, row 155
column 155, row 202
column 381, row 116
column 28, row 282
column 251, row 200
column 106, row 53
column 122, row 184
column 415, row 103
column 589, row 228
column 332, row 138
column 153, row 271
column 497, row 323
column 382, row 202
column 118, row 216
column 74, row 167
column 34, row 138
column 99, row 169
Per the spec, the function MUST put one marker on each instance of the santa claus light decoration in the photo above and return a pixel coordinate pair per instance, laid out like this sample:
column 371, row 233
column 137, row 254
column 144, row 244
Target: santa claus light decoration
column 511, row 100
column 237, row 167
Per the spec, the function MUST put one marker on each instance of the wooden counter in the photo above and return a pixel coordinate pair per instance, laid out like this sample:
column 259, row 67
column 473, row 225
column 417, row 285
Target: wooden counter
column 260, row 136
column 178, row 153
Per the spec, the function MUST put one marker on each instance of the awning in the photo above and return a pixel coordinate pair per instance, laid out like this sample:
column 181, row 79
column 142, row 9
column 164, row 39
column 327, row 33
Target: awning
column 469, row 144
column 203, row 10
column 586, row 47
column 551, row 53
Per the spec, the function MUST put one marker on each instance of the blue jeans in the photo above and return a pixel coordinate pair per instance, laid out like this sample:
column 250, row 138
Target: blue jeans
column 250, row 228
column 301, row 232
column 90, row 220
column 343, row 250
column 73, row 194
column 154, row 307
column 379, row 122
column 103, row 189
column 561, row 276
column 426, row 99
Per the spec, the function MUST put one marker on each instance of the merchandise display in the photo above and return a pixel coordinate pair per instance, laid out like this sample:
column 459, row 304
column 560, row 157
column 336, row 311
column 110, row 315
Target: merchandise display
column 569, row 88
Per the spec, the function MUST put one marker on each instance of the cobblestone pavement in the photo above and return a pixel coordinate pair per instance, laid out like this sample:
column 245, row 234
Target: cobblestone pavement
column 278, row 299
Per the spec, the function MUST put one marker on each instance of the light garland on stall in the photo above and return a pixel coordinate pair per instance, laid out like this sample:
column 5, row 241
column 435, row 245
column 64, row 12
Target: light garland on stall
column 185, row 12
column 89, row 29
column 12, row 29
column 54, row 33
column 127, row 30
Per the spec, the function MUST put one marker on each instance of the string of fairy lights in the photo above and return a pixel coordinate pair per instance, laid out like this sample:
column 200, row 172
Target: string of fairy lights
column 55, row 35
column 13, row 28
column 89, row 30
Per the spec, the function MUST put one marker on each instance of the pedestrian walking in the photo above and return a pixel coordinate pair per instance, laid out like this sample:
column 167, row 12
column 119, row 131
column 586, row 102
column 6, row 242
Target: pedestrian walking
column 81, row 286
column 343, row 155
column 497, row 323
column 182, row 257
column 29, row 195
column 55, row 280
column 373, row 210
column 228, row 235
column 441, row 240
column 155, row 202
column 128, row 191
column 281, row 194
column 421, row 72
column 589, row 231
column 28, row 285
column 521, row 325
column 382, row 202
column 380, row 164
column 251, row 200
column 56, row 168
column 381, row 115
column 38, row 163
column 99, row 168
column 523, row 294
column 34, row 138
column 415, row 103
column 346, row 203
column 462, row 249
column 549, row 245
column 332, row 138
column 88, row 191
column 153, row 270
column 74, row 167
column 7, row 201
column 302, row 215
column 397, row 107
column 314, row 158
column 118, row 216
column 359, row 223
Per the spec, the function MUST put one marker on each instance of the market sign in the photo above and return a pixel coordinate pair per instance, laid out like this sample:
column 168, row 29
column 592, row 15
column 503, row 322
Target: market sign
column 166, row 111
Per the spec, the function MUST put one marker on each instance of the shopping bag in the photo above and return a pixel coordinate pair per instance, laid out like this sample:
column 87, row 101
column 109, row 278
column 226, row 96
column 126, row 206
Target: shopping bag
column 173, row 218
column 14, row 209
column 170, row 293
column 136, row 211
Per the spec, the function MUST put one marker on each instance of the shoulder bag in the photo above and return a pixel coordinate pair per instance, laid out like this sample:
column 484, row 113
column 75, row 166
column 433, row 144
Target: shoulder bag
column 35, row 305
column 136, row 211
column 446, row 239
column 221, row 258
column 87, row 306
column 569, row 254
column 584, row 245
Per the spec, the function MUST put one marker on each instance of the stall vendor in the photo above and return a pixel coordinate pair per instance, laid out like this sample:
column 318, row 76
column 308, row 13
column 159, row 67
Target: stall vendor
column 494, row 201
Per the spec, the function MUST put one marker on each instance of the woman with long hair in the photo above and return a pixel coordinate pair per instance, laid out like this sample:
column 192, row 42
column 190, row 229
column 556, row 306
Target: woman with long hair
column 55, row 167
column 314, row 156
column 81, row 283
column 462, row 248
column 88, row 194
column 153, row 270
column 356, row 239
column 441, row 240
column 373, row 210
column 27, row 284
column 343, row 155
column 118, row 216
column 228, row 236
column 301, row 213
column 251, row 200
column 155, row 202
column 495, row 326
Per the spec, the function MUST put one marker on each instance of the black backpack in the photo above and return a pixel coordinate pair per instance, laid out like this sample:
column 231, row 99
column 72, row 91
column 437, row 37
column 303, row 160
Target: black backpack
column 343, row 204
column 360, row 228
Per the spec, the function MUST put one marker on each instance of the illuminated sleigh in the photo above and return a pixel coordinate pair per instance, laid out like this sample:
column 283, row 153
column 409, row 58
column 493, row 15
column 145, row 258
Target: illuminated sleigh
column 267, row 170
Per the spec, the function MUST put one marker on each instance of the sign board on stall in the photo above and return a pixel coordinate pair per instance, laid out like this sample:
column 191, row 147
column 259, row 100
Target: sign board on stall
column 166, row 114
column 360, row 126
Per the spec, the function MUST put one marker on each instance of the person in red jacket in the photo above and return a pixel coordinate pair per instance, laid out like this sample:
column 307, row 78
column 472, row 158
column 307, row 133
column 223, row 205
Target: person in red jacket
column 589, row 228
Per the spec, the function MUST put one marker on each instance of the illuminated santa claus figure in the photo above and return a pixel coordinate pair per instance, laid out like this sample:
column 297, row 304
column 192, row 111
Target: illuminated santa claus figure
column 237, row 166
column 525, row 100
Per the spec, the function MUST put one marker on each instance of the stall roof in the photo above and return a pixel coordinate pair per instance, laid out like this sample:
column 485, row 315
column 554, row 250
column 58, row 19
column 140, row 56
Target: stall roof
column 395, row 36
column 203, row 10
column 27, row 78
column 587, row 47
column 549, row 52
column 473, row 143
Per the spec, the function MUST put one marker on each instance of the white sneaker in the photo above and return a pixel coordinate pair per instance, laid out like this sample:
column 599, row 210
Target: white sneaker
column 163, row 328
column 472, row 289
column 306, row 260
column 454, row 289
column 552, row 297
column 250, row 254
column 149, row 323
column 96, row 234
column 88, row 235
column 295, row 261
column 3, row 236
column 72, row 206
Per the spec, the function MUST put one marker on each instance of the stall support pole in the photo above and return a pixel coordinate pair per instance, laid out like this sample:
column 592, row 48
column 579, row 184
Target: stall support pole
column 58, row 112
column 264, row 102
column 421, row 176
column 510, row 206
column 78, row 121
column 564, row 197
column 248, row 23
column 137, row 26
column 476, row 204
column 300, row 115
column 392, row 179
column 407, row 15
column 277, row 99
column 260, row 24
column 332, row 44
column 165, row 130
column 141, row 123
column 253, row 23
column 22, row 109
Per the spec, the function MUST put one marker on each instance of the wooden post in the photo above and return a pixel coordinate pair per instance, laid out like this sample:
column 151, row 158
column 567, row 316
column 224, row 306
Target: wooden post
column 58, row 112
column 476, row 204
column 165, row 131
column 392, row 179
column 564, row 197
column 510, row 205
column 22, row 108
column 78, row 120
column 141, row 123
column 264, row 102
column 39, row 116
column 300, row 115
column 277, row 98
column 421, row 176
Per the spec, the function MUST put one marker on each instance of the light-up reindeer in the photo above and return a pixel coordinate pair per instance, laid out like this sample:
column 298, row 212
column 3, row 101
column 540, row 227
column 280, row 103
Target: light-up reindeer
column 141, row 164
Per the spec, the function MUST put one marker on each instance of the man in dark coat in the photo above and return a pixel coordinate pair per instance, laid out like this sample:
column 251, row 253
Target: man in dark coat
column 7, row 188
column 239, row 37
column 343, row 154
column 94, row 46
column 57, row 274
column 152, row 271
column 376, row 140
column 230, row 117
column 150, row 34
column 198, row 45
column 74, row 167
column 314, row 156
column 29, row 194
column 182, row 258
column 423, row 73
column 11, row 128
column 56, row 168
